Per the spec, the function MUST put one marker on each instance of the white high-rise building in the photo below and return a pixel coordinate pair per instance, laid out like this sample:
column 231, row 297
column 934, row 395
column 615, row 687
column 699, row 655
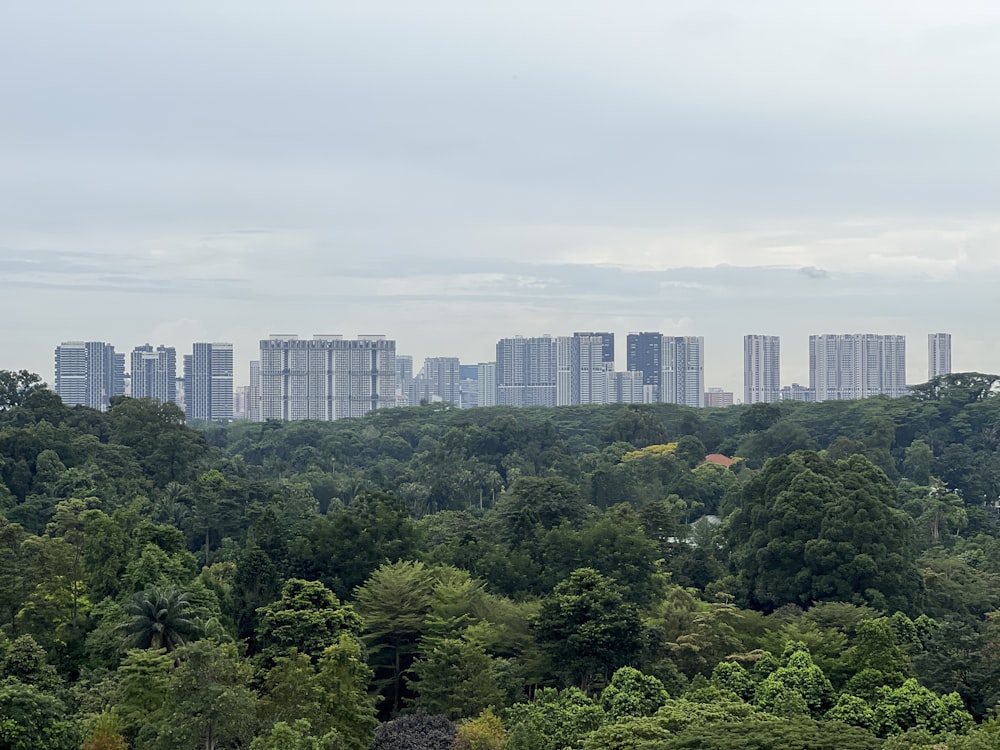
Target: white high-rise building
column 487, row 383
column 208, row 382
column 852, row 366
column 682, row 379
column 443, row 379
column 326, row 377
column 938, row 354
column 154, row 373
column 761, row 369
column 89, row 373
column 593, row 373
column 567, row 384
column 527, row 371
column 253, row 392
column 630, row 387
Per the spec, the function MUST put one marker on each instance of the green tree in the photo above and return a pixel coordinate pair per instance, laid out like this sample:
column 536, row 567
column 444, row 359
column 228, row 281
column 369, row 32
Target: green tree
column 813, row 530
column 346, row 707
column 733, row 677
column 297, row 736
column 331, row 696
column 942, row 510
column 632, row 695
column 393, row 604
column 31, row 719
column 454, row 677
column 307, row 617
column 773, row 734
column 554, row 720
column 484, row 732
column 911, row 705
column 800, row 675
column 588, row 628
column 142, row 682
column 16, row 387
column 208, row 703
column 918, row 462
column 160, row 618
column 855, row 711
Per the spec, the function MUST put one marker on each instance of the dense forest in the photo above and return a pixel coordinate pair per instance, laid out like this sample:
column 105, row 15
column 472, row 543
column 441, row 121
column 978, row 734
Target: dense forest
column 487, row 579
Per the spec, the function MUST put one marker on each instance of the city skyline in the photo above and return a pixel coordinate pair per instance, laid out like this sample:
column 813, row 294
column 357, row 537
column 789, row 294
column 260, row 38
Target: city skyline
column 543, row 371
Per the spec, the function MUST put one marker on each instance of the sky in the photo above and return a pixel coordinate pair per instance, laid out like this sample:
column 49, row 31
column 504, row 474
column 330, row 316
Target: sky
column 450, row 173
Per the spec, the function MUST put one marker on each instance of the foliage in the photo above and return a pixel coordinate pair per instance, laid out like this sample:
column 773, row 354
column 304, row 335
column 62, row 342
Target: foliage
column 587, row 627
column 159, row 619
column 307, row 617
column 632, row 695
column 484, row 732
column 813, row 530
column 415, row 732
column 552, row 721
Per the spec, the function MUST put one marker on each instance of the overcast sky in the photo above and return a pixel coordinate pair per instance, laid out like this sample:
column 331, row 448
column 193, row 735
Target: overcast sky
column 448, row 173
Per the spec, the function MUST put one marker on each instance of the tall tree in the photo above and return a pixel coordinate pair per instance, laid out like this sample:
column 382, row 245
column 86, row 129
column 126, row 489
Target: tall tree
column 810, row 530
column 16, row 386
column 588, row 628
column 394, row 603
column 160, row 618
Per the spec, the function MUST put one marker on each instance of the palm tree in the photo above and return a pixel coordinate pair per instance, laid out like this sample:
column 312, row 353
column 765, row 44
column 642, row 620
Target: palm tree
column 159, row 618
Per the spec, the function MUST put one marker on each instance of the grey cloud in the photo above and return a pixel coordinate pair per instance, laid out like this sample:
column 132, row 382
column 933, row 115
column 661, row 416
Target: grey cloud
column 814, row 273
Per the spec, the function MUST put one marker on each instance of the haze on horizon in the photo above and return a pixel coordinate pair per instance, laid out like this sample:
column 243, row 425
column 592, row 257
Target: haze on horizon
column 449, row 173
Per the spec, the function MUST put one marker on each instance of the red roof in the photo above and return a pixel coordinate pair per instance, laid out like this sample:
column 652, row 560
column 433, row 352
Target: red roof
column 719, row 459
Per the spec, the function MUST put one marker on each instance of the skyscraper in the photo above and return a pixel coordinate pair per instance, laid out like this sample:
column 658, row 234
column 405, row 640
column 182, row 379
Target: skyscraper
column 208, row 382
column 851, row 366
column 253, row 392
column 527, row 371
column 154, row 373
column 327, row 377
column 404, row 374
column 645, row 355
column 487, row 382
column 443, row 378
column 89, row 373
column 761, row 369
column 682, row 378
column 629, row 387
column 592, row 368
column 938, row 354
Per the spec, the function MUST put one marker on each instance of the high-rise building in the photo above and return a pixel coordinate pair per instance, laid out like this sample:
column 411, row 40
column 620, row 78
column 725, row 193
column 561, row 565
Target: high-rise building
column 487, row 383
column 469, row 393
column 253, row 392
column 718, row 398
column 682, row 378
column 527, row 371
column 645, row 355
column 761, row 369
column 851, row 366
column 443, row 378
column 89, row 373
column 938, row 354
column 404, row 376
column 592, row 366
column 154, row 373
column 241, row 397
column 208, row 382
column 326, row 377
column 629, row 387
